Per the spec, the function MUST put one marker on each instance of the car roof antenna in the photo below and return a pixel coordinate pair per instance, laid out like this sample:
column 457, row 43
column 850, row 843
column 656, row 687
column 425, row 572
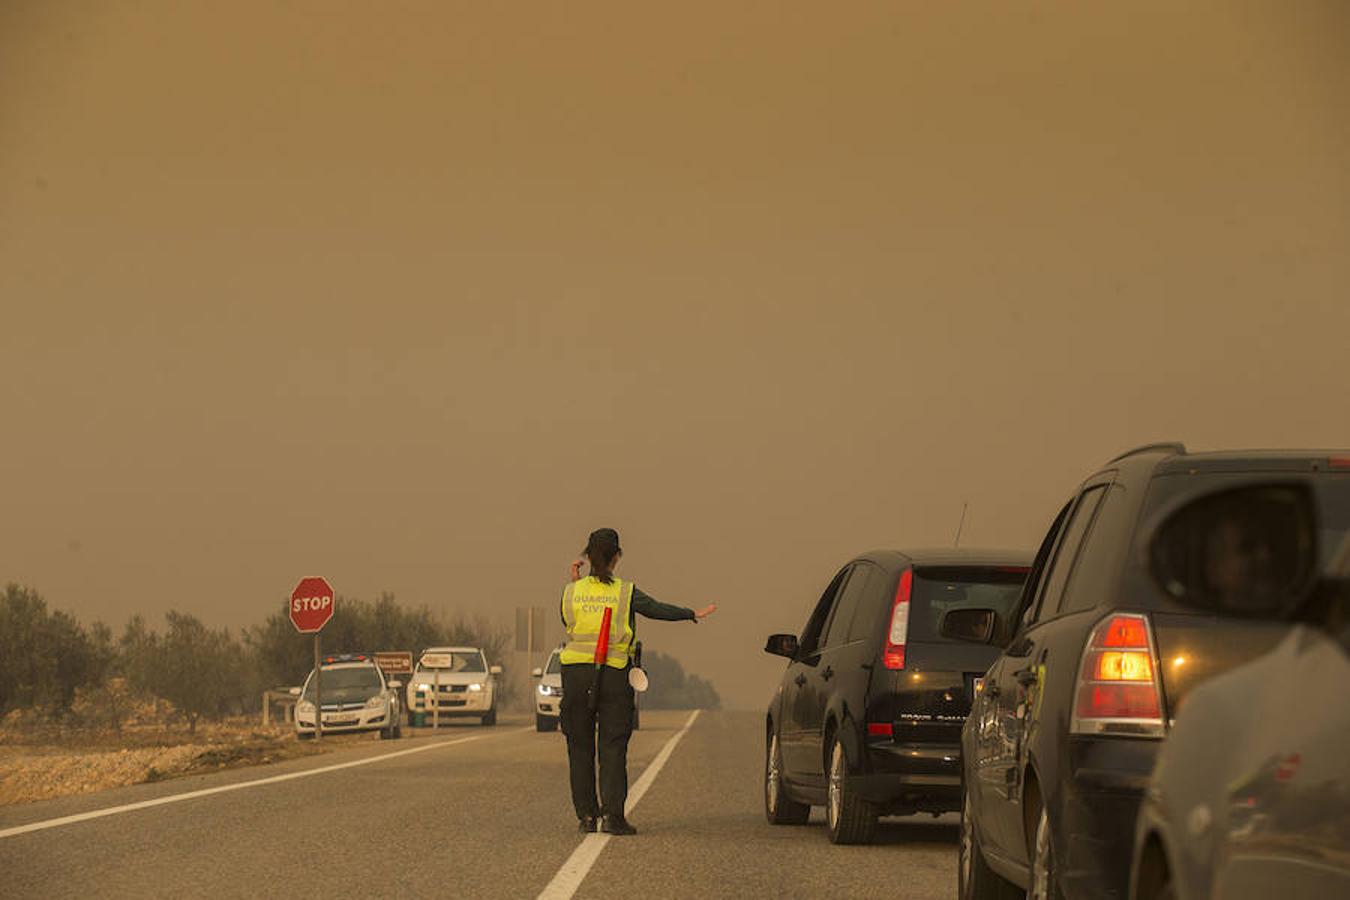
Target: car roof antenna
column 960, row 525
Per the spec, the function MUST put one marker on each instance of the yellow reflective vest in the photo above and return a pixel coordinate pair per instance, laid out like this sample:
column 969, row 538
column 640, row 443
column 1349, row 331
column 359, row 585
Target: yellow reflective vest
column 583, row 610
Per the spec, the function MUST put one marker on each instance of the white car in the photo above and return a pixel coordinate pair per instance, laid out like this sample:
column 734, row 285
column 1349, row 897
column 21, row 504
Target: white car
column 461, row 680
column 548, row 694
column 355, row 697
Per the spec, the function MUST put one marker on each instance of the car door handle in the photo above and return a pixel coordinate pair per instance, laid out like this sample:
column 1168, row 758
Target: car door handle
column 799, row 680
column 827, row 674
column 1026, row 677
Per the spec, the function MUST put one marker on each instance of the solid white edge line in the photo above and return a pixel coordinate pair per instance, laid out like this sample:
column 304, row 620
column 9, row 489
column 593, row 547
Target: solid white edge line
column 568, row 879
column 224, row 788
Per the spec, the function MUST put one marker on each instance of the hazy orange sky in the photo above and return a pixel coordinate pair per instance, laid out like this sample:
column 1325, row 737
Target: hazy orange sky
column 414, row 295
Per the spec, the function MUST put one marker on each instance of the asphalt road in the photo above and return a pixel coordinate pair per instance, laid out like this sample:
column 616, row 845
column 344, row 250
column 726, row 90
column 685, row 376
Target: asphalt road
column 472, row 813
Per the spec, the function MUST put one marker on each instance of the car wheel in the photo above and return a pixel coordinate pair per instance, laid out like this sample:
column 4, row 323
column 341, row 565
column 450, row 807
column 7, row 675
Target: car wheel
column 544, row 723
column 491, row 717
column 975, row 880
column 849, row 819
column 637, row 719
column 304, row 735
column 1044, row 877
column 780, row 809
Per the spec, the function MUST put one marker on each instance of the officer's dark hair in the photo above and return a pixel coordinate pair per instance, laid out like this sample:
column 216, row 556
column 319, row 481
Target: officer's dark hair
column 602, row 548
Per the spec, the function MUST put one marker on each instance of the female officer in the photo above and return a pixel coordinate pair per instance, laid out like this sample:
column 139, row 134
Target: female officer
column 600, row 694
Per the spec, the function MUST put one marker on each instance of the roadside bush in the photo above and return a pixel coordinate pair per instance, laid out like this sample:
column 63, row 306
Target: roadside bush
column 672, row 688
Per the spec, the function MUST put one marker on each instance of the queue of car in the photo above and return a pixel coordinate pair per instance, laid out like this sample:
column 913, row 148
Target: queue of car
column 1149, row 707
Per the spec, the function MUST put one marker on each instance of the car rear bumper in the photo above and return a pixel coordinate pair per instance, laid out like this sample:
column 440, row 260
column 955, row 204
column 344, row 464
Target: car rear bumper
column 1099, row 811
column 919, row 776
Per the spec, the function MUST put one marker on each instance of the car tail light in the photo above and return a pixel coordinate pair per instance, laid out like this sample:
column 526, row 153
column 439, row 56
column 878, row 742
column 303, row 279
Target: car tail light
column 1118, row 691
column 894, row 655
column 1339, row 462
column 881, row 729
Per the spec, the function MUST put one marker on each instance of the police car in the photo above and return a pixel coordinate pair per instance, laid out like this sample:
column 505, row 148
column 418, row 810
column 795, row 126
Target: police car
column 355, row 697
column 460, row 681
column 548, row 694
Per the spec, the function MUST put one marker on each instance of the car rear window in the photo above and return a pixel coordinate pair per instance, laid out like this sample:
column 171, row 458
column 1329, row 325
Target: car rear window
column 1332, row 490
column 937, row 590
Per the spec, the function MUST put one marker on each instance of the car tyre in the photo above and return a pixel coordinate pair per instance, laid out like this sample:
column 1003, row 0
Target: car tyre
column 304, row 735
column 779, row 808
column 1044, row 874
column 491, row 717
column 545, row 723
column 849, row 819
column 637, row 719
column 975, row 880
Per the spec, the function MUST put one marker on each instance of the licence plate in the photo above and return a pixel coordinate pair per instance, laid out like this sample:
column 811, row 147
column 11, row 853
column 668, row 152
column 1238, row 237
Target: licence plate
column 343, row 720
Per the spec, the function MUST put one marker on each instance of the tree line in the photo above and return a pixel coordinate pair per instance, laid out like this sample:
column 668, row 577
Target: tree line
column 47, row 656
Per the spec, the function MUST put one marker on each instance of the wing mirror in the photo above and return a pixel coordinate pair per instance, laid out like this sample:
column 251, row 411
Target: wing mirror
column 395, row 684
column 782, row 645
column 494, row 670
column 294, row 692
column 978, row 626
column 1249, row 551
column 537, row 672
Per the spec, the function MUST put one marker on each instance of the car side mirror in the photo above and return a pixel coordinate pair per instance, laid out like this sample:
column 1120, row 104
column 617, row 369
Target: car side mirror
column 294, row 692
column 537, row 672
column 782, row 645
column 1249, row 551
column 494, row 670
column 395, row 684
column 978, row 626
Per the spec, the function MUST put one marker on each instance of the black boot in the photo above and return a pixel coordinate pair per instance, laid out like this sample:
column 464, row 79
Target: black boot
column 616, row 825
column 586, row 825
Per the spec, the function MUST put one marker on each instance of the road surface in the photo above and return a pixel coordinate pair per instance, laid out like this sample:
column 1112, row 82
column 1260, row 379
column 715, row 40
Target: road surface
column 470, row 812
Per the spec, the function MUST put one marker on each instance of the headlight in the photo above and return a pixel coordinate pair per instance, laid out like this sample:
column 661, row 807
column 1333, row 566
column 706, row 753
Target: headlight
column 304, row 706
column 374, row 703
column 545, row 690
column 424, row 686
column 475, row 687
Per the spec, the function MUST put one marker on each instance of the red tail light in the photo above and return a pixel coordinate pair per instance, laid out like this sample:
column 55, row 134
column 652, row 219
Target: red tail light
column 894, row 655
column 1118, row 691
column 881, row 729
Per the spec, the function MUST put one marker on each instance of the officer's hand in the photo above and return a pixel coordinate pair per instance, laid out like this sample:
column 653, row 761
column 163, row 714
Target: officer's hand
column 705, row 611
column 576, row 569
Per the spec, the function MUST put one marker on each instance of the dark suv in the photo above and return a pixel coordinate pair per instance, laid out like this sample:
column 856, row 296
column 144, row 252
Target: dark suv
column 1064, row 733
column 867, row 719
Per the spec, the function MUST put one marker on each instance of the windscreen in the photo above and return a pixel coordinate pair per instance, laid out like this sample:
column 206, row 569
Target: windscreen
column 939, row 589
column 554, row 665
column 341, row 685
column 471, row 661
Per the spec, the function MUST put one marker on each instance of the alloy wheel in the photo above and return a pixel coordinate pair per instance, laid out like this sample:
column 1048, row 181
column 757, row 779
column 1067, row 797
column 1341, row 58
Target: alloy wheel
column 1041, row 861
column 836, row 784
column 773, row 778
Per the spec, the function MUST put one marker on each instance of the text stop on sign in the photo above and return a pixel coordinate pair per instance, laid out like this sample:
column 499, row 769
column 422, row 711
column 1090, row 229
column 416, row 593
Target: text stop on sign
column 311, row 604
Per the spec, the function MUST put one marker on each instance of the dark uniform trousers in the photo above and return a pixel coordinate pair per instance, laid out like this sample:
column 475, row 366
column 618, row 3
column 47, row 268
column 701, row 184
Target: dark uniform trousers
column 613, row 715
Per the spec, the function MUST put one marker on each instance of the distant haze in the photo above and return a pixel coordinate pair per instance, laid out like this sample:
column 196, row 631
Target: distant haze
column 414, row 295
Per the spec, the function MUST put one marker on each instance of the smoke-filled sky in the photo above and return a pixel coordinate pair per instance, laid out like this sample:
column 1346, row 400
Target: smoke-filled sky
column 415, row 295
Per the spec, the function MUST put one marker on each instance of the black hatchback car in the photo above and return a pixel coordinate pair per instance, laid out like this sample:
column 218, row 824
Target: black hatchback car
column 1065, row 731
column 867, row 718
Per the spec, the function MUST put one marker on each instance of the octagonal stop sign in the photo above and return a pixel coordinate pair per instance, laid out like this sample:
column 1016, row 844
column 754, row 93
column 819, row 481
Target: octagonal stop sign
column 311, row 604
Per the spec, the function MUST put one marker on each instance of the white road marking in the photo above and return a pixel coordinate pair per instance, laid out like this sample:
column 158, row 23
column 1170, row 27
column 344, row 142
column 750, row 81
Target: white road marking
column 578, row 865
column 224, row 788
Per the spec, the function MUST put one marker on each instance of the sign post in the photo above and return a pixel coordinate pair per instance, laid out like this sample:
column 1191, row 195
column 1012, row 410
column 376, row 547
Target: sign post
column 310, row 609
column 435, row 662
